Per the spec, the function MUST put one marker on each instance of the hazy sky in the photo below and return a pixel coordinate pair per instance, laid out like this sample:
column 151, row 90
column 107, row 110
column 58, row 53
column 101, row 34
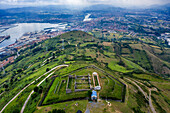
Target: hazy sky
column 85, row 2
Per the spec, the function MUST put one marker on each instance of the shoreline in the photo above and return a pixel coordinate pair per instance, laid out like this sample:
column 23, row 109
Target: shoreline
column 4, row 38
column 17, row 35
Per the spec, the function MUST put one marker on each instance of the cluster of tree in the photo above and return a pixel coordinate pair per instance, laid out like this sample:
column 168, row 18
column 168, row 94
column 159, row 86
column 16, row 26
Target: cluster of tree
column 37, row 90
column 57, row 111
column 89, row 94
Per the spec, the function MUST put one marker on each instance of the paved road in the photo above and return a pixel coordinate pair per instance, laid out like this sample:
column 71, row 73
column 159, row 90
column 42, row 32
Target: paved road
column 28, row 86
column 23, row 107
column 15, row 96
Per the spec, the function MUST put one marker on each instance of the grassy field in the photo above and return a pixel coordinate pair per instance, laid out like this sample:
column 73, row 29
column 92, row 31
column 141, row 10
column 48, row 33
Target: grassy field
column 114, row 66
column 69, row 107
column 61, row 95
column 110, row 88
column 96, row 81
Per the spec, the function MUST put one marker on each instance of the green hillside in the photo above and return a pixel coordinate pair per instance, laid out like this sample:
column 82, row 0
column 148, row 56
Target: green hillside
column 123, row 67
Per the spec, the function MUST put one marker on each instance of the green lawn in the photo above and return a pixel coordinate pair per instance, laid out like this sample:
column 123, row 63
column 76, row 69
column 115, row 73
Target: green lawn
column 96, row 81
column 61, row 95
column 114, row 66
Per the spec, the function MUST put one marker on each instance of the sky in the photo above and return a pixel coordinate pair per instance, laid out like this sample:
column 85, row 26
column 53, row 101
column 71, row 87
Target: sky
column 84, row 2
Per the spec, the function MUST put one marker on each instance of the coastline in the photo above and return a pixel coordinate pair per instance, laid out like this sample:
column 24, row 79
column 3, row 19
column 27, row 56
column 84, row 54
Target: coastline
column 4, row 38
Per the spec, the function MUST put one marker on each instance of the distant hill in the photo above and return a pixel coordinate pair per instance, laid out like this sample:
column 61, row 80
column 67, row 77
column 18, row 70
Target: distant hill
column 160, row 6
column 102, row 7
column 161, row 9
column 50, row 8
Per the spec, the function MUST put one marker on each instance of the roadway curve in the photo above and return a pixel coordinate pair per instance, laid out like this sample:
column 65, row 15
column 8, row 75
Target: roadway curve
column 150, row 102
column 147, row 97
column 23, row 107
column 29, row 85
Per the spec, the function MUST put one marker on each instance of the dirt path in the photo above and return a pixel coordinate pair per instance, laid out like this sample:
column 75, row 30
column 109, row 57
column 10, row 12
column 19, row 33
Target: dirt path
column 149, row 97
column 150, row 101
column 145, row 94
column 138, row 87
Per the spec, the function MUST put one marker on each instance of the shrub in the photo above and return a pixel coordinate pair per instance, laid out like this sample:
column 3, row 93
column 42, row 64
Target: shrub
column 57, row 111
column 36, row 89
column 34, row 95
column 47, row 69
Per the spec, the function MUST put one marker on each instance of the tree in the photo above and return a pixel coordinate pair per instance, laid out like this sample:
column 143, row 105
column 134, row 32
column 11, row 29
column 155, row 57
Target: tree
column 16, row 110
column 11, row 81
column 46, row 80
column 89, row 93
column 47, row 69
column 58, row 111
column 36, row 89
column 47, row 61
column 19, row 70
column 40, row 91
column 96, row 55
column 121, row 63
column 5, row 85
column 13, row 73
column 34, row 95
column 1, row 91
column 53, row 56
column 33, row 69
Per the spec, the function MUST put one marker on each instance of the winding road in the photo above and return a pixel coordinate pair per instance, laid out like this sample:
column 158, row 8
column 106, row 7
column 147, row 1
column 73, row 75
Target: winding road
column 23, row 107
column 147, row 97
column 31, row 84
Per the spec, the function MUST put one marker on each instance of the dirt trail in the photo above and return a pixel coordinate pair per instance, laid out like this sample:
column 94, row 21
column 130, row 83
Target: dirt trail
column 145, row 94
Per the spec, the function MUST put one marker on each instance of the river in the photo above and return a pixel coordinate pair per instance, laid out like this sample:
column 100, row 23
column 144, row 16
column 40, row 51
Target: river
column 21, row 28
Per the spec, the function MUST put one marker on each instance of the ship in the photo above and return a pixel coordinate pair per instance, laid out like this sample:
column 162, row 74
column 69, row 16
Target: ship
column 2, row 38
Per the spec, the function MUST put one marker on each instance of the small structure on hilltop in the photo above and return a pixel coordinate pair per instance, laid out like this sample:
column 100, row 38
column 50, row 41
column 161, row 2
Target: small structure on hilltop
column 94, row 95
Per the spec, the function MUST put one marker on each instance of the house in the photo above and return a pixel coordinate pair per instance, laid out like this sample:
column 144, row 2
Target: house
column 94, row 95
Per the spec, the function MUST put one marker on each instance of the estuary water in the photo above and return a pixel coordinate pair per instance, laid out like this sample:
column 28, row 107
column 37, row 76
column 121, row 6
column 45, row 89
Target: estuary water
column 21, row 28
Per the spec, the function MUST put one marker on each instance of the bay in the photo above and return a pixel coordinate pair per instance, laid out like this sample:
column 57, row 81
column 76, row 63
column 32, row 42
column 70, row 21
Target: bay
column 21, row 28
